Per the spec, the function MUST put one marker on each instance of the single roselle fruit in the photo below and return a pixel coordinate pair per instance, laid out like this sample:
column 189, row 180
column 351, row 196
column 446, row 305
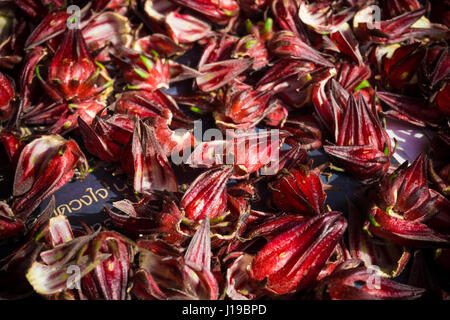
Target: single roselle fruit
column 45, row 165
column 142, row 71
column 362, row 144
column 283, row 262
column 404, row 207
column 146, row 161
column 299, row 189
column 7, row 95
column 287, row 44
column 406, row 189
column 149, row 216
column 27, row 74
column 402, row 231
column 206, row 197
column 217, row 11
column 184, row 28
column 246, row 106
column 367, row 127
column 109, row 279
column 285, row 76
column 351, row 281
column 73, row 75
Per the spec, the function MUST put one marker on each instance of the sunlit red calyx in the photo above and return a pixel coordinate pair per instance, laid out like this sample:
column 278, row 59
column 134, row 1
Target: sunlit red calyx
column 292, row 260
column 73, row 74
column 44, row 166
column 404, row 207
column 299, row 189
column 207, row 196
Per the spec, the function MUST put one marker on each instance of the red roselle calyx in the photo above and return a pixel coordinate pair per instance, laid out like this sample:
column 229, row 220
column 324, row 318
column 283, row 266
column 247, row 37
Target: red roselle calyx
column 299, row 189
column 73, row 74
column 44, row 166
column 283, row 262
column 405, row 208
column 362, row 145
column 206, row 197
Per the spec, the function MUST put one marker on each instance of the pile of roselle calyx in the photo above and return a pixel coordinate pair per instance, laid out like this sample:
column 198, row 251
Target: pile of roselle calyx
column 125, row 81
